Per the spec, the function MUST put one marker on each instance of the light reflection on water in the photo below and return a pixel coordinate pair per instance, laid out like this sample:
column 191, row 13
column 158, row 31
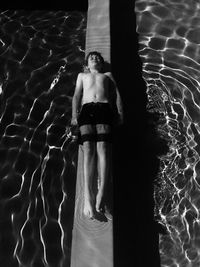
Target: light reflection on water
column 41, row 53
column 169, row 50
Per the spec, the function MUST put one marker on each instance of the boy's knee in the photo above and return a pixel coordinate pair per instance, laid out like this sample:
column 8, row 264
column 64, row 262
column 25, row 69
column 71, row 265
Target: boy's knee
column 89, row 147
column 102, row 146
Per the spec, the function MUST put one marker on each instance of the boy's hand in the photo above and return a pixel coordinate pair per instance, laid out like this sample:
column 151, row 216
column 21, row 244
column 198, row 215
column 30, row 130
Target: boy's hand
column 74, row 122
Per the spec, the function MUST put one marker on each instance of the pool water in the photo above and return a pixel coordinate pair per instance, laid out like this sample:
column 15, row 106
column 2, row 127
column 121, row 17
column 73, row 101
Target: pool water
column 41, row 53
column 169, row 38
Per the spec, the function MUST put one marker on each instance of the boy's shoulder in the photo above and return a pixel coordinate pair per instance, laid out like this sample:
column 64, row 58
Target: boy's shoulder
column 80, row 75
column 109, row 74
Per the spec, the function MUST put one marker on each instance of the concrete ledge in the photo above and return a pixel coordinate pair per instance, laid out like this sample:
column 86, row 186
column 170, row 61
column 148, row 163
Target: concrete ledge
column 92, row 240
column 98, row 28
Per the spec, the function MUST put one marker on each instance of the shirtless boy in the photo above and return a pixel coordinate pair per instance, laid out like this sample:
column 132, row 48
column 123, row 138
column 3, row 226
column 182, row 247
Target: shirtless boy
column 92, row 112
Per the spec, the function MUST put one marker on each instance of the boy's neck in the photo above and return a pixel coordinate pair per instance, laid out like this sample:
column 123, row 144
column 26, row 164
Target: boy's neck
column 94, row 71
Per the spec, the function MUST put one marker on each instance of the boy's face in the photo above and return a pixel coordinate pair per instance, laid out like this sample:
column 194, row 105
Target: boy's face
column 94, row 61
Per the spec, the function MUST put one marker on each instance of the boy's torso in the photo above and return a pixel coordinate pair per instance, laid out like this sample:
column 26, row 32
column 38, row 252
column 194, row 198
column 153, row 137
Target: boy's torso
column 95, row 87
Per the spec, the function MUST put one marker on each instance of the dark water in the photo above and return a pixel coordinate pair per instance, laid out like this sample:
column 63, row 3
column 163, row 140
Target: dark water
column 41, row 53
column 169, row 38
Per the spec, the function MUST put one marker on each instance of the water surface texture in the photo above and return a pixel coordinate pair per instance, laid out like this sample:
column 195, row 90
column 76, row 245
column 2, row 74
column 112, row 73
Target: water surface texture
column 41, row 53
column 169, row 40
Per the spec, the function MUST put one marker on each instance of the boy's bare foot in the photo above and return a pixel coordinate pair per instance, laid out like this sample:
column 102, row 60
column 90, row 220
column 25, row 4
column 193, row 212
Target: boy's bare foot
column 99, row 198
column 88, row 209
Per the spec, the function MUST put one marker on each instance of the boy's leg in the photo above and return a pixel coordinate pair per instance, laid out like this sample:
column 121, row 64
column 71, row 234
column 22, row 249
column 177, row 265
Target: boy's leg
column 104, row 161
column 89, row 150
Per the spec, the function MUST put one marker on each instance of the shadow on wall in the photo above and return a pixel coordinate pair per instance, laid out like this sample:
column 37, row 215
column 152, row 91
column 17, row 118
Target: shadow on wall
column 107, row 66
column 135, row 159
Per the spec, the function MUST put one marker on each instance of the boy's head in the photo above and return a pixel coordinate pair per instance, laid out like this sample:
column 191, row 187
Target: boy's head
column 94, row 58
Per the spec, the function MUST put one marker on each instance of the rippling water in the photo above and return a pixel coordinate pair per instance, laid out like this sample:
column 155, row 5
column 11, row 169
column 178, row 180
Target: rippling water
column 169, row 39
column 41, row 53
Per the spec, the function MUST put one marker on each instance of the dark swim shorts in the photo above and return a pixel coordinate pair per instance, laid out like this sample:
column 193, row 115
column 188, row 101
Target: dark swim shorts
column 95, row 122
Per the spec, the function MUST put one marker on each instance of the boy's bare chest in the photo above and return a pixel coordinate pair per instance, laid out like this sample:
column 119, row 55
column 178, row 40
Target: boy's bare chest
column 98, row 80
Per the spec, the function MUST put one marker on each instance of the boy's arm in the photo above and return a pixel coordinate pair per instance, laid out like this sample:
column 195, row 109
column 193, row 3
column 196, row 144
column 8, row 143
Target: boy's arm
column 118, row 99
column 77, row 99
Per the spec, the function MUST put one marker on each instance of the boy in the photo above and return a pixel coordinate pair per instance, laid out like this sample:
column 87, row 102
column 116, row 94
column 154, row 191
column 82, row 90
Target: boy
column 92, row 111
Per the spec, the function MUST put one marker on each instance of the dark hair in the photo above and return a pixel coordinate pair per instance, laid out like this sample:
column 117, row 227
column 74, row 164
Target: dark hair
column 94, row 53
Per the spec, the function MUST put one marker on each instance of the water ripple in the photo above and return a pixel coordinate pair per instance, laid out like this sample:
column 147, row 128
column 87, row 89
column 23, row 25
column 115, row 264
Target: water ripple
column 41, row 53
column 169, row 38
